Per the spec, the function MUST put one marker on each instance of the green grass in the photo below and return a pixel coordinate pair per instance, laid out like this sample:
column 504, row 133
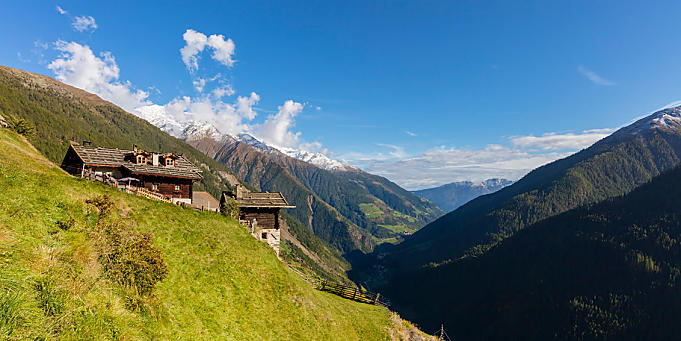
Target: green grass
column 371, row 211
column 396, row 228
column 222, row 283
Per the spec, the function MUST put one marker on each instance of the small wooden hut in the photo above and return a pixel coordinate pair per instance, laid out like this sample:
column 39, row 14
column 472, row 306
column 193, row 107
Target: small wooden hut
column 259, row 212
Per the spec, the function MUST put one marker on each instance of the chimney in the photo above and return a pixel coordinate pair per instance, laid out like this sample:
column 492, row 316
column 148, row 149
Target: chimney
column 239, row 191
column 154, row 159
column 134, row 148
column 87, row 143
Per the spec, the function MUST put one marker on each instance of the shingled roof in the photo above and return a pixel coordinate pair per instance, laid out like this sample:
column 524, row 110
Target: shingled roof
column 260, row 199
column 98, row 156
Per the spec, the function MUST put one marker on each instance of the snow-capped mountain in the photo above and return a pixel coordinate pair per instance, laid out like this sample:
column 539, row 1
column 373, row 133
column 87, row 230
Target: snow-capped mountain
column 156, row 115
column 315, row 158
column 450, row 196
column 194, row 130
column 318, row 159
column 251, row 140
column 668, row 119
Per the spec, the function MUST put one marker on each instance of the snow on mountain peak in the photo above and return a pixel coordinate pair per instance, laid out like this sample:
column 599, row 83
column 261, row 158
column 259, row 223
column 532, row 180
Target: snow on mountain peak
column 668, row 119
column 315, row 158
column 194, row 130
column 254, row 142
column 318, row 159
column 156, row 115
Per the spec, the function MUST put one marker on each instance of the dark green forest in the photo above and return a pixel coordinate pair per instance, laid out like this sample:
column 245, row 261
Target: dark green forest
column 611, row 167
column 603, row 271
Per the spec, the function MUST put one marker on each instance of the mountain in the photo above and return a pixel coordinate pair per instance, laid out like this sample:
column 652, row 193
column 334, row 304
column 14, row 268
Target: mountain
column 603, row 271
column 219, row 283
column 60, row 113
column 611, row 167
column 450, row 196
column 348, row 208
column 318, row 159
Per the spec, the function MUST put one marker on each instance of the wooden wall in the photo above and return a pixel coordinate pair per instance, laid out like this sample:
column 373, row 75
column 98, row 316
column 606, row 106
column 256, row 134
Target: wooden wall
column 166, row 186
column 268, row 218
column 72, row 163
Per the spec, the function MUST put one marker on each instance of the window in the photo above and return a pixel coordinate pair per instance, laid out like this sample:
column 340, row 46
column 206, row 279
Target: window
column 141, row 159
column 264, row 235
column 177, row 188
column 154, row 187
column 170, row 162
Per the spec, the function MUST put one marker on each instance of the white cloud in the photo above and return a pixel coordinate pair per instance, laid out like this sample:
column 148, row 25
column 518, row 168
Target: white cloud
column 84, row 23
column 196, row 42
column 222, row 50
column 594, row 77
column 244, row 105
column 396, row 151
column 276, row 130
column 79, row 66
column 222, row 91
column 61, row 10
column 553, row 141
column 199, row 83
column 443, row 165
column 412, row 134
column 228, row 118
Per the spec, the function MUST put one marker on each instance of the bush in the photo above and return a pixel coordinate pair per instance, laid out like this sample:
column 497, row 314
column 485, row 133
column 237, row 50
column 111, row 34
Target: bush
column 21, row 126
column 128, row 257
column 230, row 208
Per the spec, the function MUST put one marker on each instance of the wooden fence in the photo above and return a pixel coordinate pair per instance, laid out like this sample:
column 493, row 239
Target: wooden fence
column 143, row 192
column 111, row 181
column 352, row 293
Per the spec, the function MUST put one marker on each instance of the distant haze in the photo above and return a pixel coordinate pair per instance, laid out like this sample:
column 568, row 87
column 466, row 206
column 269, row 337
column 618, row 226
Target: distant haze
column 450, row 196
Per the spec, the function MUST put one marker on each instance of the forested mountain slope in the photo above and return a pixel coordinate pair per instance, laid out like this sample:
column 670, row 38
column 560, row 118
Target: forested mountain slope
column 606, row 271
column 611, row 167
column 352, row 210
column 67, row 269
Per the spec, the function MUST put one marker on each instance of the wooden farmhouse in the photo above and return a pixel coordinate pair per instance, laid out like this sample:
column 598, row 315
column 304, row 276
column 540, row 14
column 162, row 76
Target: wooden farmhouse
column 260, row 213
column 168, row 174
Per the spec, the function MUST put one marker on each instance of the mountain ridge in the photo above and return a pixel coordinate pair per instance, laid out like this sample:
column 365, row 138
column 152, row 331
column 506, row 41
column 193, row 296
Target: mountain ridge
column 452, row 195
column 361, row 207
column 609, row 168
column 607, row 270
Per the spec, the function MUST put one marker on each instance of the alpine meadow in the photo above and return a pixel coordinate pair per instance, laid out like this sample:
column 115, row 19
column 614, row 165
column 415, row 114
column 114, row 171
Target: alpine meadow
column 340, row 170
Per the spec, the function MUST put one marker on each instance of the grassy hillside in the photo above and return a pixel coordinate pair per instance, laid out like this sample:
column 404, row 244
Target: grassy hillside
column 221, row 282
column 606, row 271
column 60, row 113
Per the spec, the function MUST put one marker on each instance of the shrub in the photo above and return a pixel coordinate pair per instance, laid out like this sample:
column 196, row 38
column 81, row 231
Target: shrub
column 21, row 126
column 230, row 208
column 128, row 257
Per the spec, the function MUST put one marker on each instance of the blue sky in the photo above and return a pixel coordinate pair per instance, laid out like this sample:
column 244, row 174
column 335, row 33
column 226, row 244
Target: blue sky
column 424, row 93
